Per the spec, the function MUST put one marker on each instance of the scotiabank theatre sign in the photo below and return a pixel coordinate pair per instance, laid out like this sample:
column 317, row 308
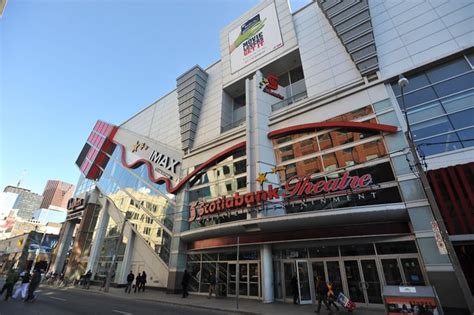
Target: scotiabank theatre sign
column 296, row 187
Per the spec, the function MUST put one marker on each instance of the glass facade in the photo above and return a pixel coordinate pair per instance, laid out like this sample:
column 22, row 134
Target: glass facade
column 440, row 106
column 223, row 179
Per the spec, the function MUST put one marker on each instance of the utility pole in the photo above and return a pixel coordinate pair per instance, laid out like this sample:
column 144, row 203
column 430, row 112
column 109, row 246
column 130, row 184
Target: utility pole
column 114, row 257
column 402, row 83
column 237, row 274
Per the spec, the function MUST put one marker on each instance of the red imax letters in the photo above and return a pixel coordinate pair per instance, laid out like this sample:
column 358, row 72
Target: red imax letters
column 295, row 187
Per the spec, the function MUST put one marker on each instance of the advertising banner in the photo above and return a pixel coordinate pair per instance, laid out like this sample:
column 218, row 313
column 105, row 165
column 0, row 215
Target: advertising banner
column 255, row 38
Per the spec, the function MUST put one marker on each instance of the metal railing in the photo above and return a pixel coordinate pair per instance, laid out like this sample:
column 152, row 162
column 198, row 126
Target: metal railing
column 233, row 125
column 289, row 100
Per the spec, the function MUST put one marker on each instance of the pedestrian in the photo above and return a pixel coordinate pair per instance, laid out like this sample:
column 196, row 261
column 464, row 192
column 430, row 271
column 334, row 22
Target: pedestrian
column 185, row 283
column 294, row 289
column 138, row 283
column 130, row 279
column 322, row 293
column 12, row 277
column 87, row 279
column 331, row 296
column 212, row 284
column 34, row 284
column 142, row 282
column 22, row 289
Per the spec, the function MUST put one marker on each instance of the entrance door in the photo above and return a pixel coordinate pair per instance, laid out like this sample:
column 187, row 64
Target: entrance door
column 363, row 281
column 303, row 281
column 289, row 270
column 354, row 281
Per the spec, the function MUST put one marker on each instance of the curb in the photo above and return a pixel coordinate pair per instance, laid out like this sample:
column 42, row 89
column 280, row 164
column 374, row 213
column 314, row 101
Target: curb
column 220, row 309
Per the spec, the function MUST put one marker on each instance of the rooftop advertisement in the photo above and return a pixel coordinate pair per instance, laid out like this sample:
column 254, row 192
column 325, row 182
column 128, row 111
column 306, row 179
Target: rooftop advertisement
column 255, row 38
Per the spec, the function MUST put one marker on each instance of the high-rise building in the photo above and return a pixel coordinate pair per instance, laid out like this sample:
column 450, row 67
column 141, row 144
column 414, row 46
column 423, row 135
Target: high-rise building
column 56, row 193
column 292, row 149
column 26, row 203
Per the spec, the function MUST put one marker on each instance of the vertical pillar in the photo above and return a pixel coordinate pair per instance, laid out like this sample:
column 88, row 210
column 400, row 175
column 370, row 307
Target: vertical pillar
column 267, row 273
column 121, row 276
column 63, row 247
column 99, row 237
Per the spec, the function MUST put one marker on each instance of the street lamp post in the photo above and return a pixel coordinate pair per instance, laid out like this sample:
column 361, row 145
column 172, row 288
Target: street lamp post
column 402, row 83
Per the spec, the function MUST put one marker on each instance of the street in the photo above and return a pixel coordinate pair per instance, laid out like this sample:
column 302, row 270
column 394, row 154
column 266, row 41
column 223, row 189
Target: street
column 65, row 301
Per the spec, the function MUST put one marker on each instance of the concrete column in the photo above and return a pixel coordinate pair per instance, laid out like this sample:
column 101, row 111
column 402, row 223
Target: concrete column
column 99, row 237
column 63, row 247
column 121, row 277
column 267, row 273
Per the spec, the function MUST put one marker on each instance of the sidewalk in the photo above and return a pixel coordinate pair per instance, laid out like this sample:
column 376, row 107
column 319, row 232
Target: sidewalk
column 246, row 306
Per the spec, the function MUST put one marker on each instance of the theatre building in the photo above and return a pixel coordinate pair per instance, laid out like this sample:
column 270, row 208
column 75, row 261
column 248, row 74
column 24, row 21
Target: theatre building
column 290, row 152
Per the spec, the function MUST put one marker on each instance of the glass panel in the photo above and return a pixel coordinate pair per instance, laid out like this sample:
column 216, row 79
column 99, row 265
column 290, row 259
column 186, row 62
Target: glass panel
column 372, row 282
column 303, row 280
column 231, row 279
column 207, row 268
column 396, row 248
column 296, row 74
column 290, row 272
column 418, row 97
column 461, row 83
column 411, row 268
column 440, row 144
column 447, row 70
column 222, row 279
column 391, row 272
column 431, row 127
column 277, row 280
column 465, row 135
column 462, row 119
column 194, row 270
column 357, row 250
column 425, row 112
column 353, row 281
column 243, row 282
column 459, row 101
column 334, row 276
column 318, row 270
column 416, row 82
column 324, row 251
column 253, row 279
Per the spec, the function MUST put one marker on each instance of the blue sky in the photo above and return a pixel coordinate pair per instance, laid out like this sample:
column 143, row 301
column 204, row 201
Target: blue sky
column 65, row 64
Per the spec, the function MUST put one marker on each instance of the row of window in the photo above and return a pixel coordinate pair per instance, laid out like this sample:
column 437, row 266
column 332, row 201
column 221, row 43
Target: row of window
column 440, row 106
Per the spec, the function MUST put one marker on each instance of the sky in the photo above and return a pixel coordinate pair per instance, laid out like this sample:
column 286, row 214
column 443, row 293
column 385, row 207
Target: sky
column 66, row 63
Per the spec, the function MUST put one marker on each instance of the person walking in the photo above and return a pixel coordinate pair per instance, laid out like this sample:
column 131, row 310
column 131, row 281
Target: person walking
column 22, row 289
column 130, row 279
column 142, row 282
column 212, row 284
column 294, row 289
column 138, row 283
column 322, row 293
column 34, row 284
column 331, row 297
column 185, row 283
column 12, row 278
column 87, row 279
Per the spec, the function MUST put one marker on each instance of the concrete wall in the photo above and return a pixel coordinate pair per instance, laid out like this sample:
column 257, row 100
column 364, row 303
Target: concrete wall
column 326, row 63
column 411, row 33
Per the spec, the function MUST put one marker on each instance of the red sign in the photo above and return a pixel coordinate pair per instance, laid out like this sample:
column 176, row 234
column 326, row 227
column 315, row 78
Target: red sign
column 295, row 187
column 270, row 86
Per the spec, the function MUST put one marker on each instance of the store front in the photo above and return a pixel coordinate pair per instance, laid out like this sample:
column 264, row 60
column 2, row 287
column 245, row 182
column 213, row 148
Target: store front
column 359, row 271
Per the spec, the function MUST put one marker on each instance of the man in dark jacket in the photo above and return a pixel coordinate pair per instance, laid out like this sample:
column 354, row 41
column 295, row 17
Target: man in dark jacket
column 34, row 284
column 212, row 284
column 12, row 278
column 185, row 283
column 138, row 283
column 142, row 282
column 322, row 293
column 130, row 279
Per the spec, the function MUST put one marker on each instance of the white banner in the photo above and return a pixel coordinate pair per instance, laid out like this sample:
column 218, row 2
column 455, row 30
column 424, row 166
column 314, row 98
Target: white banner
column 255, row 38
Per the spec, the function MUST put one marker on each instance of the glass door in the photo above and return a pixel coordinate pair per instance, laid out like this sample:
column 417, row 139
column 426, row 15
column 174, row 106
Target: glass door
column 254, row 280
column 303, row 281
column 334, row 276
column 354, row 281
column 371, row 284
column 391, row 271
column 289, row 270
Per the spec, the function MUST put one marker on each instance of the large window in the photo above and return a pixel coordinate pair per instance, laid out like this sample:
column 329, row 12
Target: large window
column 223, row 179
column 440, row 105
column 328, row 154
